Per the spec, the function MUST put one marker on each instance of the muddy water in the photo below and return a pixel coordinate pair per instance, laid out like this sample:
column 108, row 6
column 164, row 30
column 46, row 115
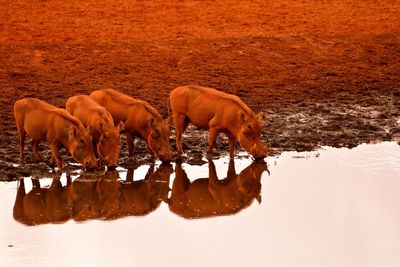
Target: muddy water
column 333, row 207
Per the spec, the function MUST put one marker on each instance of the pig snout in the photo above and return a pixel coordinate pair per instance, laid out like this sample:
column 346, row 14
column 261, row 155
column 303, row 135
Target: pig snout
column 166, row 156
column 90, row 164
column 111, row 160
column 259, row 151
column 112, row 163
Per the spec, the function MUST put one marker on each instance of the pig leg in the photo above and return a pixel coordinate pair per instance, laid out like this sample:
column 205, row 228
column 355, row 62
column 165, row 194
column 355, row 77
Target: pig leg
column 35, row 149
column 56, row 156
column 179, row 122
column 231, row 140
column 22, row 135
column 52, row 160
column 211, row 141
column 130, row 140
column 19, row 120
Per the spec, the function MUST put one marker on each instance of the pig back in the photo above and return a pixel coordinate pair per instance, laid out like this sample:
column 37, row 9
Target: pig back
column 206, row 107
column 118, row 104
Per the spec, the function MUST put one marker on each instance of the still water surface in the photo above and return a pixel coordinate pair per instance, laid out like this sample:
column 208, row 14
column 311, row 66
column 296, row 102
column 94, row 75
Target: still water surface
column 333, row 207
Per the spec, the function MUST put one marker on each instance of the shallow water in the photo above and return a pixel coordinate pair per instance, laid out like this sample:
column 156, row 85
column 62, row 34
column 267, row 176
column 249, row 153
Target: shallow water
column 333, row 207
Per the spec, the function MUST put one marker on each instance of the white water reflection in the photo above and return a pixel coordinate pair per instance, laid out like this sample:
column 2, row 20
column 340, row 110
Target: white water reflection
column 334, row 207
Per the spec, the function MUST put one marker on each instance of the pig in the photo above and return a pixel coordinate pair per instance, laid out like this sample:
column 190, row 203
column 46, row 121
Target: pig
column 205, row 197
column 105, row 136
column 209, row 108
column 42, row 121
column 141, row 120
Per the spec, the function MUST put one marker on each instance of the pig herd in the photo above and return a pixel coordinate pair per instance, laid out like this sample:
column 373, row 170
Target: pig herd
column 90, row 125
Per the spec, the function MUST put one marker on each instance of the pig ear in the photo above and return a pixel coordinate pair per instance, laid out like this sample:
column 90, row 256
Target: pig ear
column 72, row 132
column 259, row 117
column 152, row 122
column 121, row 126
column 242, row 117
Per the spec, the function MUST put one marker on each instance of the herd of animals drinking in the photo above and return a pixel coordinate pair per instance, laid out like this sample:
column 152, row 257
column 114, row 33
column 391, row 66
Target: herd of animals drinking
column 90, row 125
column 89, row 128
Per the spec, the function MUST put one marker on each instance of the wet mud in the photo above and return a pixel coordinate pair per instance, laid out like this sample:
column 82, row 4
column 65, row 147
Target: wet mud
column 323, row 73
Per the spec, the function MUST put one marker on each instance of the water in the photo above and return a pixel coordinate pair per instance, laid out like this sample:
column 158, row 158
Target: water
column 333, row 207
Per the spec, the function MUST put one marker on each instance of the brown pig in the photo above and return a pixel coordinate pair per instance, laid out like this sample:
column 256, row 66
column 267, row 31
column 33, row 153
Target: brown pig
column 42, row 121
column 101, row 127
column 141, row 120
column 208, row 108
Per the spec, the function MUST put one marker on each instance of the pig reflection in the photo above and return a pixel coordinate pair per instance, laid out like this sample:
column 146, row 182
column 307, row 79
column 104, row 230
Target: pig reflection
column 42, row 205
column 207, row 197
column 138, row 198
column 93, row 196
column 144, row 196
column 106, row 197
column 84, row 196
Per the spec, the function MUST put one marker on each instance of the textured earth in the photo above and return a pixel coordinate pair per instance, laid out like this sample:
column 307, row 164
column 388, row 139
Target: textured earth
column 325, row 73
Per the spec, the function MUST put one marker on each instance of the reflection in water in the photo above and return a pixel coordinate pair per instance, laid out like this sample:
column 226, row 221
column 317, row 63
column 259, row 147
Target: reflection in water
column 210, row 196
column 92, row 196
column 311, row 215
column 42, row 205
column 106, row 196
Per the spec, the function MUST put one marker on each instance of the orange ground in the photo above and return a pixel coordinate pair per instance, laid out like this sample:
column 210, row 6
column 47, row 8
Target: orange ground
column 323, row 72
